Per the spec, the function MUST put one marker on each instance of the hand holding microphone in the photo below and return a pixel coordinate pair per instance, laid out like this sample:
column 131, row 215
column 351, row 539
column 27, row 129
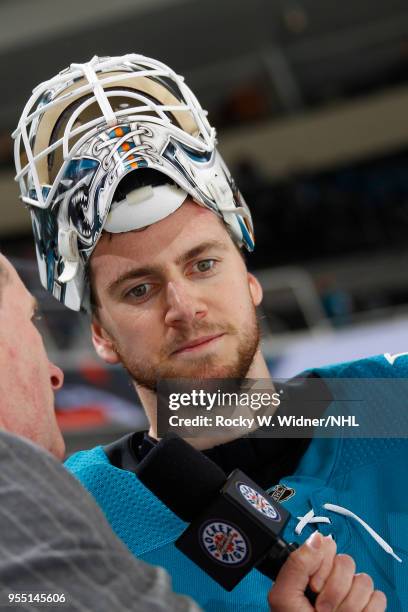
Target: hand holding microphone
column 331, row 575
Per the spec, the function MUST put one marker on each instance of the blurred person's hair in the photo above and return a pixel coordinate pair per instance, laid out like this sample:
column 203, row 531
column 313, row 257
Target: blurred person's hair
column 4, row 276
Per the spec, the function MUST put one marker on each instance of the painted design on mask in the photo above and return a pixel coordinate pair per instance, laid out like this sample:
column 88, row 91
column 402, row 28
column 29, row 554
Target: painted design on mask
column 72, row 202
column 74, row 192
column 45, row 227
column 171, row 154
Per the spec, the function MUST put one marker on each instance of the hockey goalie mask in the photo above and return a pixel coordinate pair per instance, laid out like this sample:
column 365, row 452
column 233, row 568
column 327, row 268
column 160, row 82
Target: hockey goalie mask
column 87, row 128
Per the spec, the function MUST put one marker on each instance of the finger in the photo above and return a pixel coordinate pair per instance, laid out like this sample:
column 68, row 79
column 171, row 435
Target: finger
column 337, row 584
column 329, row 552
column 359, row 594
column 288, row 592
column 377, row 603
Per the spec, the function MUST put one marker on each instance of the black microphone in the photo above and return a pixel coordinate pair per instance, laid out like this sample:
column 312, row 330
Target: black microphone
column 234, row 525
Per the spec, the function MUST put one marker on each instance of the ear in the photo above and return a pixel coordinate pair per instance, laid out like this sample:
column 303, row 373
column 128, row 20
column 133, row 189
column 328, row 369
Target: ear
column 103, row 343
column 255, row 289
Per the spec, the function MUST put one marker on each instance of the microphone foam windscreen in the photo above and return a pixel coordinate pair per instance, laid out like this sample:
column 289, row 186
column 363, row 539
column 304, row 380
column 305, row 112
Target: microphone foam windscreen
column 183, row 478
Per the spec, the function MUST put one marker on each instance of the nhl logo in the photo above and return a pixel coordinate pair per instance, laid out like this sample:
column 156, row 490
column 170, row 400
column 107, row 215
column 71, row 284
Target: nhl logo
column 281, row 492
column 224, row 543
column 258, row 501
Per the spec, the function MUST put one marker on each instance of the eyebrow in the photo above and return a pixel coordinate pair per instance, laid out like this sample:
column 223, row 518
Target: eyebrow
column 150, row 270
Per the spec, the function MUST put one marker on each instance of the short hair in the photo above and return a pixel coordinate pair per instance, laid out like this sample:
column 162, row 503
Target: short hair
column 4, row 277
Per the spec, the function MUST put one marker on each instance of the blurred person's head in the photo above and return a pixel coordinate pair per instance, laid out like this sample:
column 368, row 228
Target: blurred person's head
column 28, row 379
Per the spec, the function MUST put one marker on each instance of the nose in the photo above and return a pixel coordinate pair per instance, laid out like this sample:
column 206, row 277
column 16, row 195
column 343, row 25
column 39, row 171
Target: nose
column 183, row 307
column 56, row 376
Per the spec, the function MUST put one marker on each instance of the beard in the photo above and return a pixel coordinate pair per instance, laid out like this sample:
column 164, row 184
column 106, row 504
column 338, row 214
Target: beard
column 201, row 367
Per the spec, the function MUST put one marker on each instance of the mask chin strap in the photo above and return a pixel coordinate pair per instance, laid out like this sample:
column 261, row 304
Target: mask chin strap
column 221, row 193
column 68, row 249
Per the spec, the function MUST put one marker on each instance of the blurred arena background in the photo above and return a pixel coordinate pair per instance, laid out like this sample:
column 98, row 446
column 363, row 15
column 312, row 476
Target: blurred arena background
column 310, row 99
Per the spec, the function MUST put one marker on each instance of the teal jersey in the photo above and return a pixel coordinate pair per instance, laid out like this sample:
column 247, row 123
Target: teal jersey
column 338, row 483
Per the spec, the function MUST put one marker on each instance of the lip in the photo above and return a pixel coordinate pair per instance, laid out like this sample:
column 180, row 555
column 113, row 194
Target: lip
column 195, row 344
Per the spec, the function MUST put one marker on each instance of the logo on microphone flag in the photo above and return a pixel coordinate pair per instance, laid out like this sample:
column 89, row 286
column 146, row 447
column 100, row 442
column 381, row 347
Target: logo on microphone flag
column 224, row 542
column 258, row 501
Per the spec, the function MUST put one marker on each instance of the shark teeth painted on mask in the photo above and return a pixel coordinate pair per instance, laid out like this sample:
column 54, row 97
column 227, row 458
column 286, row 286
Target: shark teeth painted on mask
column 81, row 198
column 86, row 230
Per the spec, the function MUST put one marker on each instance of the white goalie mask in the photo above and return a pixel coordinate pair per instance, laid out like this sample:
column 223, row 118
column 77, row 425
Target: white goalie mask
column 83, row 131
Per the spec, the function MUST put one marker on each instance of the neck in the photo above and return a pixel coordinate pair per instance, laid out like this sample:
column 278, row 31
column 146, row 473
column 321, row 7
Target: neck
column 257, row 370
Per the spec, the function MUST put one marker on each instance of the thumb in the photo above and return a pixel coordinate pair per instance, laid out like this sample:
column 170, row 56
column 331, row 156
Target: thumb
column 288, row 592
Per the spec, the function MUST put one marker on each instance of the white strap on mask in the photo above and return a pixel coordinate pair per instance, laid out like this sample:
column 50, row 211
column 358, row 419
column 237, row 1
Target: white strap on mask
column 144, row 206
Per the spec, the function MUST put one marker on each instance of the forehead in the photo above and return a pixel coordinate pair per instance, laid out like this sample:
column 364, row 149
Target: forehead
column 161, row 242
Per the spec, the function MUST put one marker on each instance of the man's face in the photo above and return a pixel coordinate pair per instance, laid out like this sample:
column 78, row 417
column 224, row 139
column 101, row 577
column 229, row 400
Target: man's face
column 28, row 378
column 175, row 300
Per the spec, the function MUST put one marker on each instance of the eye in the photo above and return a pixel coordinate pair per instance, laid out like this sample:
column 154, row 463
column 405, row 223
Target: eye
column 140, row 291
column 205, row 265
